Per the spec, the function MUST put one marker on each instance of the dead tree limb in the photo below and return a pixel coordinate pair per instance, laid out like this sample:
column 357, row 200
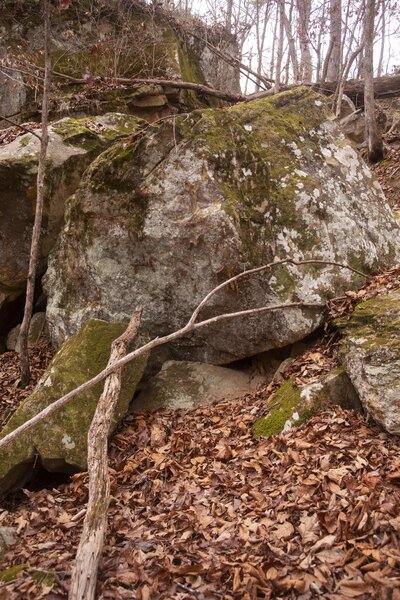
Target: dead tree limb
column 84, row 573
column 15, row 124
column 188, row 328
column 385, row 87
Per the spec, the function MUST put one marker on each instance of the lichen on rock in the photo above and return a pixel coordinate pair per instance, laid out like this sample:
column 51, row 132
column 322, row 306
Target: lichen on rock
column 371, row 356
column 193, row 200
column 73, row 144
column 59, row 443
column 292, row 405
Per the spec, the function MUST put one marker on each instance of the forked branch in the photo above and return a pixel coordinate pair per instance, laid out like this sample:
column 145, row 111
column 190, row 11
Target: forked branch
column 188, row 328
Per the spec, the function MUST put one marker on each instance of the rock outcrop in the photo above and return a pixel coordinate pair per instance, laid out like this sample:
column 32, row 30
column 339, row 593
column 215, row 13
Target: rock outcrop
column 73, row 144
column 161, row 220
column 118, row 39
column 371, row 356
column 59, row 443
column 186, row 385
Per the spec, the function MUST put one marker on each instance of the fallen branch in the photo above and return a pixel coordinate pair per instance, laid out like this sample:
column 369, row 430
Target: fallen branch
column 2, row 117
column 385, row 87
column 188, row 328
column 84, row 573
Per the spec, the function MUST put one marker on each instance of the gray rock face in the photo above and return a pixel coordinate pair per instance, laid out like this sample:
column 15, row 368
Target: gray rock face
column 59, row 443
column 371, row 354
column 185, row 385
column 163, row 220
column 73, row 144
column 12, row 92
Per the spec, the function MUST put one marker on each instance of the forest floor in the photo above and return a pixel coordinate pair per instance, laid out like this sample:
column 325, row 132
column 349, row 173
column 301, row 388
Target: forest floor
column 200, row 510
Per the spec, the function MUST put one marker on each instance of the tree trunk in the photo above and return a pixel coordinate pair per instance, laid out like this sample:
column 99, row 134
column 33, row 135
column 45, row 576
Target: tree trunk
column 304, row 10
column 291, row 41
column 35, row 243
column 279, row 54
column 84, row 574
column 383, row 34
column 372, row 135
column 335, row 54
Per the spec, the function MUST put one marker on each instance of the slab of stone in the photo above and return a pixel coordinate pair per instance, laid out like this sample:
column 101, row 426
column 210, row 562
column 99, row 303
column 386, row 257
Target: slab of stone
column 371, row 357
column 186, row 385
column 165, row 218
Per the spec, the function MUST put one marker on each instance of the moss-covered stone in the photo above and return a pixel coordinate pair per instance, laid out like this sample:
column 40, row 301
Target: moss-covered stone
column 291, row 406
column 188, row 202
column 281, row 409
column 59, row 443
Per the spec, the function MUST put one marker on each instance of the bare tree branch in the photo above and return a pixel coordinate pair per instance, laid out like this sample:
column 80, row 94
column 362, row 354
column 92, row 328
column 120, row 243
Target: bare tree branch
column 20, row 126
column 159, row 341
column 84, row 573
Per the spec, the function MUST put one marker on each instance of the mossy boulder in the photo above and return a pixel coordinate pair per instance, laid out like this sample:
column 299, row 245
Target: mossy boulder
column 73, row 144
column 168, row 216
column 59, row 443
column 186, row 385
column 371, row 356
column 291, row 405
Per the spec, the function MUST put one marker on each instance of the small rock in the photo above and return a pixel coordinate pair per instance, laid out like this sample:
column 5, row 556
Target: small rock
column 37, row 330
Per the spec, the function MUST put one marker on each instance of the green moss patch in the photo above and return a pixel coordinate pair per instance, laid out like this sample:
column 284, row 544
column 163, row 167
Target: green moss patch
column 282, row 406
column 374, row 324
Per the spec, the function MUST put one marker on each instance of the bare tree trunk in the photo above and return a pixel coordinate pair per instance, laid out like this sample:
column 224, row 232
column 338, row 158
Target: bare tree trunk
column 341, row 84
column 372, row 135
column 291, row 41
column 279, row 54
column 84, row 574
column 260, row 37
column 335, row 55
column 320, row 36
column 274, row 41
column 304, row 10
column 383, row 34
column 35, row 244
column 228, row 21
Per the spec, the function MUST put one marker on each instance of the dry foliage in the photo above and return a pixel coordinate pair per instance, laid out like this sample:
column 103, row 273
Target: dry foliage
column 199, row 510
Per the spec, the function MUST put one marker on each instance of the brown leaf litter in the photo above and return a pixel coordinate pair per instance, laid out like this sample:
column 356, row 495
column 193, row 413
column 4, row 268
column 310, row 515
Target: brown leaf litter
column 200, row 510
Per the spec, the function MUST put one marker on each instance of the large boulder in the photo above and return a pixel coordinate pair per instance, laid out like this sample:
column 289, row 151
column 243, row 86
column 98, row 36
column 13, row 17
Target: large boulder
column 371, row 355
column 73, row 144
column 162, row 220
column 59, row 443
